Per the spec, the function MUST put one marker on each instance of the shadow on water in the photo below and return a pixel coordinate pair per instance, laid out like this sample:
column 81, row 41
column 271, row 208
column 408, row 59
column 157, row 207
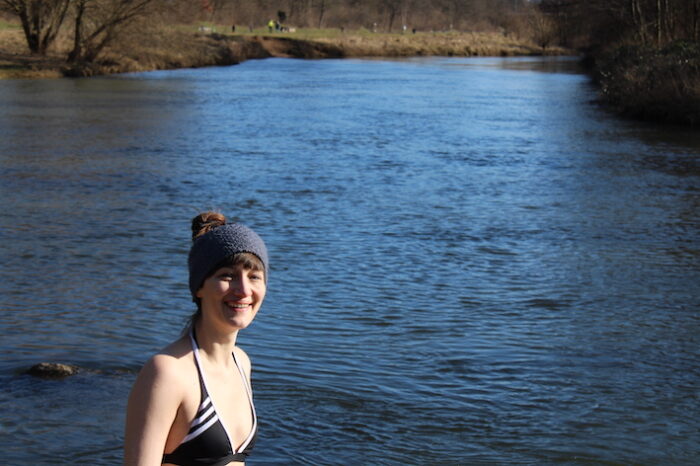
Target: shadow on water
column 554, row 64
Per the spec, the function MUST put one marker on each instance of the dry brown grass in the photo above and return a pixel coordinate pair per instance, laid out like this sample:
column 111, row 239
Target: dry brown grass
column 156, row 47
column 434, row 44
column 17, row 62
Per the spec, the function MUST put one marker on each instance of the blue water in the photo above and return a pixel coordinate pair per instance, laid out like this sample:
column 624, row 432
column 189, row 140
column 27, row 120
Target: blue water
column 471, row 260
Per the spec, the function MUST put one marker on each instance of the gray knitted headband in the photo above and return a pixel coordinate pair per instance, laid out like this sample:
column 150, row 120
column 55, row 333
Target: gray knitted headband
column 216, row 245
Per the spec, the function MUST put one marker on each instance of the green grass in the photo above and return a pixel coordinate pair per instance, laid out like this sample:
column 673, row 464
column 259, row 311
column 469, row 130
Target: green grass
column 6, row 25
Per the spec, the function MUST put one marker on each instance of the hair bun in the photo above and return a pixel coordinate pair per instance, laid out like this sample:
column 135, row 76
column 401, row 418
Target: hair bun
column 205, row 222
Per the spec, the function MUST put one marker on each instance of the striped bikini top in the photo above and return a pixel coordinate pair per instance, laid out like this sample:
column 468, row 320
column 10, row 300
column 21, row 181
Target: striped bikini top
column 208, row 443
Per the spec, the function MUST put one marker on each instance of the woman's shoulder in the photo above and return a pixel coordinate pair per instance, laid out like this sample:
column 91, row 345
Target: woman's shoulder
column 172, row 363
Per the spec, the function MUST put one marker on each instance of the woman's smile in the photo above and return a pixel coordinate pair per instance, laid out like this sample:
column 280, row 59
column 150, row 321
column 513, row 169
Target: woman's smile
column 238, row 307
column 239, row 292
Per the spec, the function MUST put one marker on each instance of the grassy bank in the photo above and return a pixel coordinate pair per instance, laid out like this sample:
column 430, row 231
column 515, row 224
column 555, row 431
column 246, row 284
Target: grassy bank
column 15, row 59
column 363, row 43
column 653, row 84
column 188, row 47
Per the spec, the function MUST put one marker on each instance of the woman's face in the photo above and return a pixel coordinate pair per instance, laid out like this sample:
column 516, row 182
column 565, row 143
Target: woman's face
column 233, row 295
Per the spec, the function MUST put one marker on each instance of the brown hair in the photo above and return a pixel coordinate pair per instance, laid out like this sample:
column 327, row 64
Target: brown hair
column 205, row 222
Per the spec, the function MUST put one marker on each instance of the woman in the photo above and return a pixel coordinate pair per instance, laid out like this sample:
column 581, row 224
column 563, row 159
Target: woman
column 192, row 402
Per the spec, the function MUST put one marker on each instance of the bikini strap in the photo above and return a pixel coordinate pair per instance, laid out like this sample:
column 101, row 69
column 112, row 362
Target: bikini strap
column 249, row 392
column 195, row 351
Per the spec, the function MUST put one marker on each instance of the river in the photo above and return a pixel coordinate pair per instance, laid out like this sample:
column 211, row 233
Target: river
column 471, row 260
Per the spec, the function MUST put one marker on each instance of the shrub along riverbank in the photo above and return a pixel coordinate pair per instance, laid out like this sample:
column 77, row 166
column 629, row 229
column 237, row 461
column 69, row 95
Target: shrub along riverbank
column 653, row 84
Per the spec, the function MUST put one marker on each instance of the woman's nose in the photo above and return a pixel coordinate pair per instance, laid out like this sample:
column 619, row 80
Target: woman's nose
column 240, row 286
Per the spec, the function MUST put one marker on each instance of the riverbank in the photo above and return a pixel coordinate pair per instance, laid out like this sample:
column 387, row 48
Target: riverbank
column 183, row 48
column 652, row 84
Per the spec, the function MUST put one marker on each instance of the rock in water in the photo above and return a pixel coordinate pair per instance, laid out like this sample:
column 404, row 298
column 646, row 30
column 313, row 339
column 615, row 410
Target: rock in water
column 52, row 370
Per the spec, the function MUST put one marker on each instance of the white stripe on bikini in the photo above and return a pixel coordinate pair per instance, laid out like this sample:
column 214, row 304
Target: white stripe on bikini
column 201, row 418
column 201, row 429
column 250, row 402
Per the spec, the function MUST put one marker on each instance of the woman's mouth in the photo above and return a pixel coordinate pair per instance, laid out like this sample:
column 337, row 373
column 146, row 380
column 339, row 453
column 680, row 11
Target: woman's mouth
column 238, row 306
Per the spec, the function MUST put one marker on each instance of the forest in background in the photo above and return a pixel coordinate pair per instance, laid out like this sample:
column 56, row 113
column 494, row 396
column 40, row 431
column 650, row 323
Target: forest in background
column 591, row 25
column 379, row 15
column 603, row 23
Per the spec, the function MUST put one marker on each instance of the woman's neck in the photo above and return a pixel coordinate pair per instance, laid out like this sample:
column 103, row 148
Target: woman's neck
column 216, row 345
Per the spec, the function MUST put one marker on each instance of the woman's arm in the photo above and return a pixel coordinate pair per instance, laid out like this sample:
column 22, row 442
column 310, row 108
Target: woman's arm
column 153, row 405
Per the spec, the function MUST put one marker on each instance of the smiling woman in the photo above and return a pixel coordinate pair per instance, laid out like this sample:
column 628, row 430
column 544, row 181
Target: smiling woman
column 192, row 402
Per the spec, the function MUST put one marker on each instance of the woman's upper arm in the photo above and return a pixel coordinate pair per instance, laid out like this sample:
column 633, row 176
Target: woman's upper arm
column 153, row 405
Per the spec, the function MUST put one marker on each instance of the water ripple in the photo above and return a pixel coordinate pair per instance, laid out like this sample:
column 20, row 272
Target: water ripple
column 471, row 263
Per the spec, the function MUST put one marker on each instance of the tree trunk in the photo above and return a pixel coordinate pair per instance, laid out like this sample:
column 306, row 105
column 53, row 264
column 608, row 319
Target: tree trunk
column 76, row 54
column 639, row 21
column 392, row 16
column 670, row 19
column 28, row 28
column 40, row 19
column 634, row 17
column 92, row 35
column 658, row 23
column 321, row 12
column 308, row 17
column 55, row 20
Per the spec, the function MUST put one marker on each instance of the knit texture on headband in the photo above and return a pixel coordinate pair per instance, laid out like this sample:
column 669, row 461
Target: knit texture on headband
column 216, row 245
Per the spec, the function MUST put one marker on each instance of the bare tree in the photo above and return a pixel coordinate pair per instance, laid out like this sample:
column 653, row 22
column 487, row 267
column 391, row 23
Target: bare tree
column 98, row 22
column 322, row 8
column 41, row 20
column 645, row 22
column 392, row 9
column 544, row 30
